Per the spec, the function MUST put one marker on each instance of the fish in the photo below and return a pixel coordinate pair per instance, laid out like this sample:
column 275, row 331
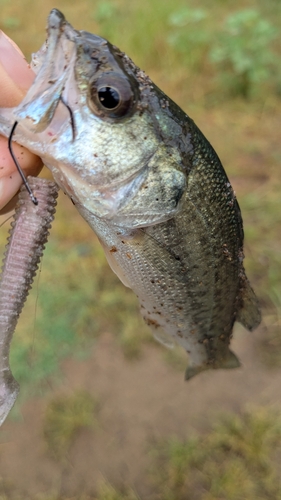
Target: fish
column 149, row 184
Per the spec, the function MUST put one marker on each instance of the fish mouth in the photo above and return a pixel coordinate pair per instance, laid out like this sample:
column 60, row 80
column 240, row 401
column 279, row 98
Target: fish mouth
column 52, row 65
column 55, row 84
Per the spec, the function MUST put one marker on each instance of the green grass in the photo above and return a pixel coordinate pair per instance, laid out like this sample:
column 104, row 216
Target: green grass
column 236, row 460
column 64, row 417
column 107, row 492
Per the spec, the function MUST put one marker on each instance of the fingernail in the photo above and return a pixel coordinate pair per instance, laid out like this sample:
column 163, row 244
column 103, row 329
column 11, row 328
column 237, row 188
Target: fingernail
column 9, row 186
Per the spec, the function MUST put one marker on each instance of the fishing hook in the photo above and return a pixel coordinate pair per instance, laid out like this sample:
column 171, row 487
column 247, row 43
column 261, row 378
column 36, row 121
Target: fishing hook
column 24, row 179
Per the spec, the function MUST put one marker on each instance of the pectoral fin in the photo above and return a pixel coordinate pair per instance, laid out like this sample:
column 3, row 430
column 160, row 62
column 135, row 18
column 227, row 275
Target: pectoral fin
column 249, row 314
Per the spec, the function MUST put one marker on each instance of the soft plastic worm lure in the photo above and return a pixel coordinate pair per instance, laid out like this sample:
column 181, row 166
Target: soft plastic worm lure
column 28, row 235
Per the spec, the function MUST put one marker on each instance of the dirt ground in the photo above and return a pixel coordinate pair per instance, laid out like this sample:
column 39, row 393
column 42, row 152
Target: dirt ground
column 139, row 402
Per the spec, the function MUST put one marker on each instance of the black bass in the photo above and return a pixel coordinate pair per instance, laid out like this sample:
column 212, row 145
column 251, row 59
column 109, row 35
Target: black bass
column 149, row 184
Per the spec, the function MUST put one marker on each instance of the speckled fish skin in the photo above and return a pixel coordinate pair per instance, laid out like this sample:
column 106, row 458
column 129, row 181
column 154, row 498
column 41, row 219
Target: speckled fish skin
column 149, row 184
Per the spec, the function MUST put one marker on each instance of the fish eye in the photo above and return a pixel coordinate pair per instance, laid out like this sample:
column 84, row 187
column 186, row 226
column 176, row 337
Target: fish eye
column 110, row 95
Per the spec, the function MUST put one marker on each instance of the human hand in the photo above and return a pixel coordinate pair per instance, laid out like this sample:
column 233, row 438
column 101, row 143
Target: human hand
column 16, row 77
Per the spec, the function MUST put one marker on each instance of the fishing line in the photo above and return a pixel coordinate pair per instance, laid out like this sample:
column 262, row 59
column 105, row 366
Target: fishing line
column 6, row 220
column 24, row 179
column 72, row 121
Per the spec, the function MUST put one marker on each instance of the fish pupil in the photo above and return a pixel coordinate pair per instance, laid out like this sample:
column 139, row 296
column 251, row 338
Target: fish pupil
column 109, row 97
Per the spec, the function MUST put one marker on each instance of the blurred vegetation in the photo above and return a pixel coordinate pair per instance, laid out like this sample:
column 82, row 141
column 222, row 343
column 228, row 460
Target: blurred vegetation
column 64, row 417
column 237, row 460
column 107, row 492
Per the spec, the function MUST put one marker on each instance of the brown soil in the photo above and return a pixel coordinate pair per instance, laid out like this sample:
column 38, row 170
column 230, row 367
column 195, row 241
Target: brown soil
column 139, row 402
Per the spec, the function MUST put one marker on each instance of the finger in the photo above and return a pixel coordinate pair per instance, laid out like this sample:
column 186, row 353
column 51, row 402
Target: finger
column 15, row 77
column 15, row 70
column 10, row 180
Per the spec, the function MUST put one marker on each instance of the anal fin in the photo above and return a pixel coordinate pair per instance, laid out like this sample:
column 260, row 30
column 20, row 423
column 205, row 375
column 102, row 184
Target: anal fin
column 229, row 362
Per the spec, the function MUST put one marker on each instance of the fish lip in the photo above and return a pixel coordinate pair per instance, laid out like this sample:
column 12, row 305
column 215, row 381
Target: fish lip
column 56, row 20
column 52, row 74
column 57, row 25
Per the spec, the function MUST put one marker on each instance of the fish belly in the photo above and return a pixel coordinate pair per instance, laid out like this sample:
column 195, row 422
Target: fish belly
column 170, row 267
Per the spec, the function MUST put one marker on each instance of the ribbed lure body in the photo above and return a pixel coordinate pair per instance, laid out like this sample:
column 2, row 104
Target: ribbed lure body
column 26, row 243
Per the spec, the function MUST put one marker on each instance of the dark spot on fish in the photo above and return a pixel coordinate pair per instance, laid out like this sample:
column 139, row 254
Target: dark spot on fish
column 113, row 250
column 152, row 281
column 152, row 322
